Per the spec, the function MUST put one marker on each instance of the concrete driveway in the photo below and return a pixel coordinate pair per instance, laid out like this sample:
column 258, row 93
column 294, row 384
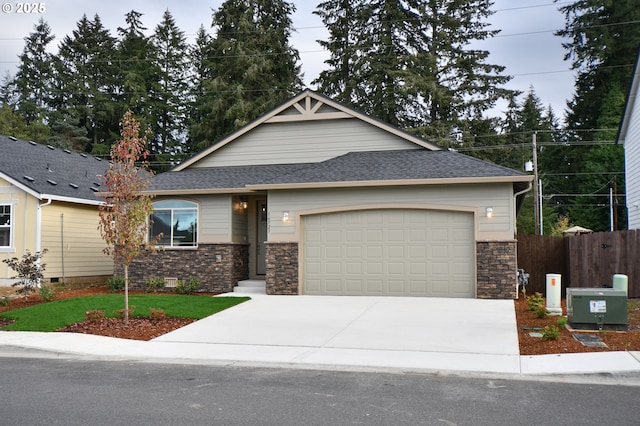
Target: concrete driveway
column 441, row 325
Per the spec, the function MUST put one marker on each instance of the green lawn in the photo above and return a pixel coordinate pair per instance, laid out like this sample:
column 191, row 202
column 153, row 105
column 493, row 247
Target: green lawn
column 54, row 315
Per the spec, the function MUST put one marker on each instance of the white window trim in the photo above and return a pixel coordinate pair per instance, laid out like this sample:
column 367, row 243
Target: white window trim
column 172, row 209
column 11, row 248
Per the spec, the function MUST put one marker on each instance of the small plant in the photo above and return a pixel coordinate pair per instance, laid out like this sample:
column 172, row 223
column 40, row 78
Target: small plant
column 47, row 293
column 188, row 287
column 115, row 283
column 534, row 301
column 550, row 332
column 154, row 284
column 94, row 315
column 562, row 321
column 157, row 314
column 541, row 311
column 123, row 314
column 29, row 270
column 5, row 301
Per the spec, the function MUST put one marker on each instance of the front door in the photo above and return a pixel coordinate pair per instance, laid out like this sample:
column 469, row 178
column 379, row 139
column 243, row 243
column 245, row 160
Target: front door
column 261, row 238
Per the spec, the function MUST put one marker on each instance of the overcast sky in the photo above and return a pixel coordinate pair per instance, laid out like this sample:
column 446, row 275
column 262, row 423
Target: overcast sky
column 526, row 44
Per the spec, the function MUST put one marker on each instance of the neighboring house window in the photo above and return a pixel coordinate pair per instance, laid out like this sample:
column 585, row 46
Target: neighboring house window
column 176, row 222
column 5, row 225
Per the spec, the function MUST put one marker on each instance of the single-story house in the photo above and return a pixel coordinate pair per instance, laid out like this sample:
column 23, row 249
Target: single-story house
column 629, row 137
column 48, row 201
column 317, row 198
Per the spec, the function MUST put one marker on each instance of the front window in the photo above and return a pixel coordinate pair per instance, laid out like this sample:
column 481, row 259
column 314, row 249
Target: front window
column 175, row 222
column 5, row 226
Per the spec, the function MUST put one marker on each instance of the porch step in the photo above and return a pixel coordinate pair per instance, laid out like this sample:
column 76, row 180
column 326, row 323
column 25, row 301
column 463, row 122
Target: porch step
column 251, row 286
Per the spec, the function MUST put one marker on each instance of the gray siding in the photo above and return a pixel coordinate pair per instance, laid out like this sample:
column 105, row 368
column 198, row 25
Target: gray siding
column 466, row 197
column 302, row 142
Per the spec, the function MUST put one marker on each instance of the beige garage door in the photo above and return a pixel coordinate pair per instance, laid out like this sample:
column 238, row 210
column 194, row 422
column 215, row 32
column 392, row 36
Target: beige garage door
column 389, row 253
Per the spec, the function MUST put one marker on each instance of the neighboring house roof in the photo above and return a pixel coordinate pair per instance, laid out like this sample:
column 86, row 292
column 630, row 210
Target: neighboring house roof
column 418, row 166
column 51, row 173
column 307, row 105
column 628, row 108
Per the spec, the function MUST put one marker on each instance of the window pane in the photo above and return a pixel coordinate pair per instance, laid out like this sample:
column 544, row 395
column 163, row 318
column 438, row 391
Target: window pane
column 5, row 215
column 5, row 239
column 161, row 224
column 185, row 225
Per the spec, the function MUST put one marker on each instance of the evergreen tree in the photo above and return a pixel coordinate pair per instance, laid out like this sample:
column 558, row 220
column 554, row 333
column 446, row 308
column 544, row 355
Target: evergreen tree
column 35, row 74
column 68, row 134
column 409, row 62
column 253, row 68
column 139, row 72
column 169, row 111
column 86, row 82
column 198, row 98
column 601, row 38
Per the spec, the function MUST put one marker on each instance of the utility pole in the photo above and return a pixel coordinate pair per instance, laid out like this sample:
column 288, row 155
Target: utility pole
column 536, row 202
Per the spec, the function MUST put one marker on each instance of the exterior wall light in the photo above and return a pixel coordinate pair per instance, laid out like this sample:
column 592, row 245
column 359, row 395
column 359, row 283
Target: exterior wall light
column 489, row 212
column 285, row 217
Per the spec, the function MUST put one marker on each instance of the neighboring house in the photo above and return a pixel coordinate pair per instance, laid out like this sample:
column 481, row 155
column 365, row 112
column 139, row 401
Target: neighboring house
column 629, row 137
column 317, row 198
column 48, row 201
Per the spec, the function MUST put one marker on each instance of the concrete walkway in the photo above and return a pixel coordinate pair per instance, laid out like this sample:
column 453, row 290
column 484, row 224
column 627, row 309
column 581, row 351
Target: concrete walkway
column 427, row 335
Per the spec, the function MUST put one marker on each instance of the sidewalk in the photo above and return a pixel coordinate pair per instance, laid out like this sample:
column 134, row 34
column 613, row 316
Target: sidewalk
column 409, row 335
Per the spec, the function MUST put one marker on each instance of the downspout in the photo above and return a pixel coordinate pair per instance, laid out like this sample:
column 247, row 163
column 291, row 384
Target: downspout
column 64, row 280
column 39, row 227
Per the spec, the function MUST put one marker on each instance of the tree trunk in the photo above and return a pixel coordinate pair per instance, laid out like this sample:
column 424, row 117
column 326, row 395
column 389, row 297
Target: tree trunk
column 126, row 294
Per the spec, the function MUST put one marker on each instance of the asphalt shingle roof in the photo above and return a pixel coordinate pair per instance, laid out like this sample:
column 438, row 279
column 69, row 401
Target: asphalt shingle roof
column 51, row 171
column 351, row 167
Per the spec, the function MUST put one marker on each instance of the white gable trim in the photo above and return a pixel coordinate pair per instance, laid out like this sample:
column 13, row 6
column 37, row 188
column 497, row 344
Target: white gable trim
column 308, row 110
column 41, row 197
column 631, row 97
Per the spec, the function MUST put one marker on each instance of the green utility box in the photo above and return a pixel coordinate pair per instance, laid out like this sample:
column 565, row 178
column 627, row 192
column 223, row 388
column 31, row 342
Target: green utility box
column 597, row 308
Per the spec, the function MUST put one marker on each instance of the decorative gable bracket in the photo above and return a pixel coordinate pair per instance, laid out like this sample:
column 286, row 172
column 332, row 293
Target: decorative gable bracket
column 307, row 109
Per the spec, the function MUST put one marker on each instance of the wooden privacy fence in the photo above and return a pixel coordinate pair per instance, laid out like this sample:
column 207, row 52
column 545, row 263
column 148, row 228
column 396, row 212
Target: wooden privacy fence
column 587, row 260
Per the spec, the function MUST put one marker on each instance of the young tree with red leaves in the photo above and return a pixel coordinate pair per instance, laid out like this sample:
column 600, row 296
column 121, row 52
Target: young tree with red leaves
column 123, row 218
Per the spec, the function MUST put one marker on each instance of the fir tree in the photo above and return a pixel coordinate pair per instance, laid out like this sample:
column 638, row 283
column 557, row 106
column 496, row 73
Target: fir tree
column 86, row 81
column 601, row 38
column 35, row 75
column 253, row 68
column 169, row 108
column 409, row 62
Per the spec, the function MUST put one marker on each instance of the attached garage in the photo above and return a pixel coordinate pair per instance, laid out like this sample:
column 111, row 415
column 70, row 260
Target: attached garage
column 389, row 252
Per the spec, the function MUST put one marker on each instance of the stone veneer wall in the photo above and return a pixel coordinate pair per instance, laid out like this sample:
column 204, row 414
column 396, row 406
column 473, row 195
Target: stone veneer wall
column 218, row 266
column 496, row 269
column 282, row 268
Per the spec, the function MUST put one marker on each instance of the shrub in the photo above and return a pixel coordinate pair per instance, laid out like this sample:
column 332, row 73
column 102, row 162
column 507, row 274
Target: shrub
column 534, row 301
column 154, row 284
column 157, row 314
column 115, row 283
column 541, row 311
column 5, row 301
column 189, row 287
column 120, row 313
column 94, row 315
column 550, row 332
column 29, row 270
column 47, row 293
column 562, row 321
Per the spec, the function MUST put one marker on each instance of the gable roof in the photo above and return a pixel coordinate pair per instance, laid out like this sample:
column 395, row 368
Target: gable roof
column 51, row 173
column 630, row 102
column 306, row 106
column 373, row 168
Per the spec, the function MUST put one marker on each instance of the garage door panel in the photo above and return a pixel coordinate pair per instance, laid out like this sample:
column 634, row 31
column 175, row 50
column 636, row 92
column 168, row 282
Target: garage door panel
column 389, row 252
